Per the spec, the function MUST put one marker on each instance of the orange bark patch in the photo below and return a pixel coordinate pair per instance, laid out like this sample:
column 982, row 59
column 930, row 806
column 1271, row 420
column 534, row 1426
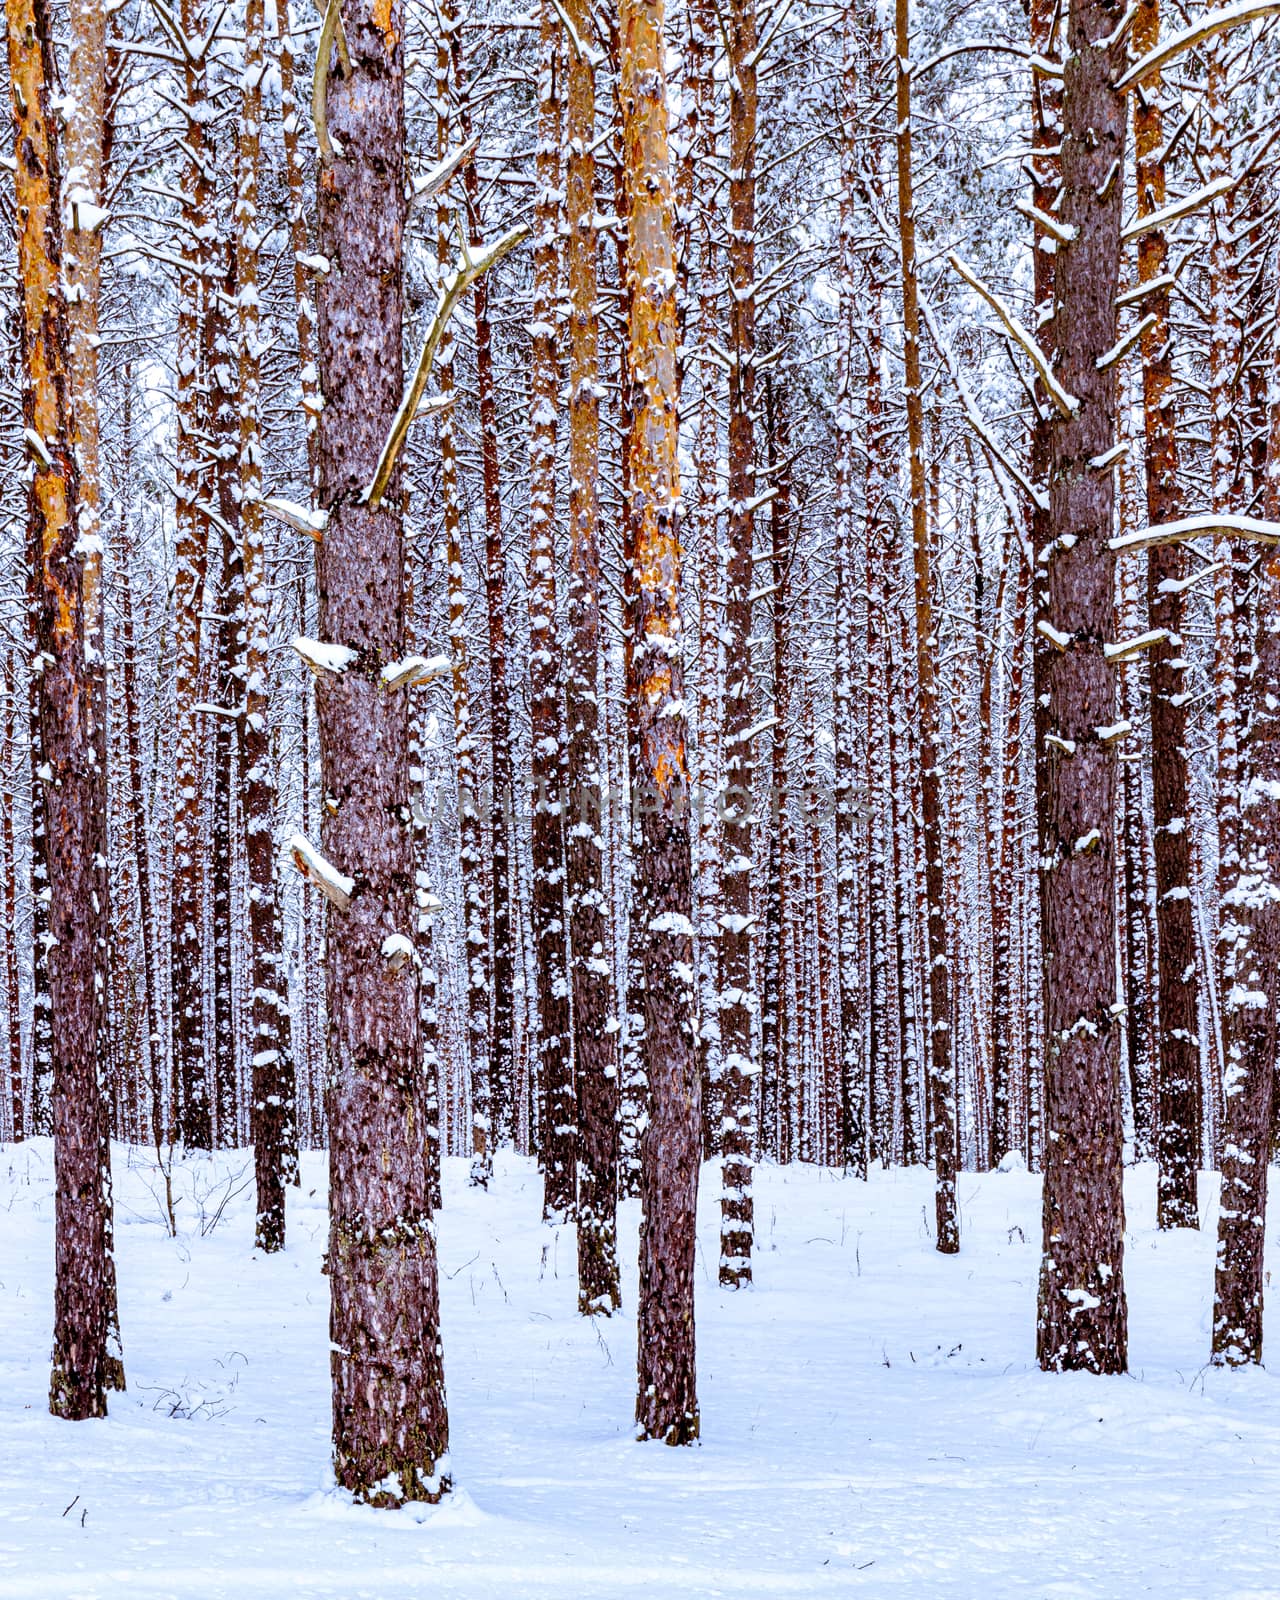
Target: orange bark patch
column 382, row 20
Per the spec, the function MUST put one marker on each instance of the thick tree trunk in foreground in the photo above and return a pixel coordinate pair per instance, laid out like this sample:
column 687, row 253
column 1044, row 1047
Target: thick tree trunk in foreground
column 390, row 1429
column 72, row 784
column 667, row 1400
column 1082, row 1313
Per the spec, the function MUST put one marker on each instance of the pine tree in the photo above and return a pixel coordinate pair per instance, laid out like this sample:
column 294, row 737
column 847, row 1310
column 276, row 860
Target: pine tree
column 667, row 1401
column 390, row 1428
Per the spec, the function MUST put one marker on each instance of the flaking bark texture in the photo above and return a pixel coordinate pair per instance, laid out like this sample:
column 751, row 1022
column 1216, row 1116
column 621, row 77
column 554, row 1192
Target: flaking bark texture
column 666, row 1402
column 390, row 1429
column 71, row 781
column 1082, row 1313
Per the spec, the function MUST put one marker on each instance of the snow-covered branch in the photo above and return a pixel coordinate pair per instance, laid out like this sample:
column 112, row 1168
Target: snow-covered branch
column 413, row 670
column 1126, row 649
column 1177, row 208
column 430, row 183
column 1210, row 525
column 1210, row 24
column 321, row 657
column 1066, row 403
column 334, row 885
column 300, row 518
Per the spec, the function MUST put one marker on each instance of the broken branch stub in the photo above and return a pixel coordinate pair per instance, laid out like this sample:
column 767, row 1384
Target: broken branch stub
column 334, row 885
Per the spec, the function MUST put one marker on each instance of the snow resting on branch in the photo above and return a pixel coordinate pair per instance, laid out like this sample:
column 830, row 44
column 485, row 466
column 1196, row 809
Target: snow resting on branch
column 413, row 670
column 1213, row 22
column 334, row 885
column 432, row 181
column 1209, row 525
column 300, row 518
column 322, row 657
column 1126, row 649
column 1066, row 403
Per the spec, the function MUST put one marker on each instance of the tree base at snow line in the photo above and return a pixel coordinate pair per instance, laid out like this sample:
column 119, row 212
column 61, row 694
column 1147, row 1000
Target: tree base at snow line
column 390, row 1425
column 684, row 1429
column 599, row 1292
column 1177, row 1201
column 73, row 1399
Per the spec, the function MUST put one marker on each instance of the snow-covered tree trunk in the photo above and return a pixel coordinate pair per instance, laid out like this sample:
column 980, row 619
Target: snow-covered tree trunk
column 1178, row 1135
column 546, row 706
column 666, row 1402
column 942, row 1085
column 1251, row 940
column 190, row 1076
column 470, row 817
column 501, row 1085
column 1082, row 1314
column 594, row 1055
column 737, row 1003
column 84, row 1364
column 272, row 1120
column 9, row 906
column 1004, row 1042
column 851, row 871
column 390, row 1428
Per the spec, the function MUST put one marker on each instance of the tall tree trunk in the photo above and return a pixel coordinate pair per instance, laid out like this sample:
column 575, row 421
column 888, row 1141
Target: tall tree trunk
column 187, row 891
column 501, row 1085
column 737, row 1003
column 1251, row 937
column 772, row 991
column 593, row 1046
column 1004, row 1044
column 666, row 1401
column 849, row 909
column 942, row 1083
column 559, row 1133
column 272, row 1122
column 470, row 815
column 1178, row 1137
column 1082, row 1312
column 9, row 909
column 390, row 1428
column 83, row 1366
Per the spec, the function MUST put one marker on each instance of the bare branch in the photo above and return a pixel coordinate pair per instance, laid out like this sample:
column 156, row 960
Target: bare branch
column 468, row 269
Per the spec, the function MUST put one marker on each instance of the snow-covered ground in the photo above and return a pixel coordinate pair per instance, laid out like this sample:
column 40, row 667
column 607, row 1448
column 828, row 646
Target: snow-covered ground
column 873, row 1421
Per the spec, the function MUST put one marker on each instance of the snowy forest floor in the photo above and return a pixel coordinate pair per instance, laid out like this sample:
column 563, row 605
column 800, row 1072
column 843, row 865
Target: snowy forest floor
column 874, row 1424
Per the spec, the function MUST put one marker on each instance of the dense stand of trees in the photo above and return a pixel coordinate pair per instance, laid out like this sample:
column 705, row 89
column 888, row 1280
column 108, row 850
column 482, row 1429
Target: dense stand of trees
column 642, row 585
